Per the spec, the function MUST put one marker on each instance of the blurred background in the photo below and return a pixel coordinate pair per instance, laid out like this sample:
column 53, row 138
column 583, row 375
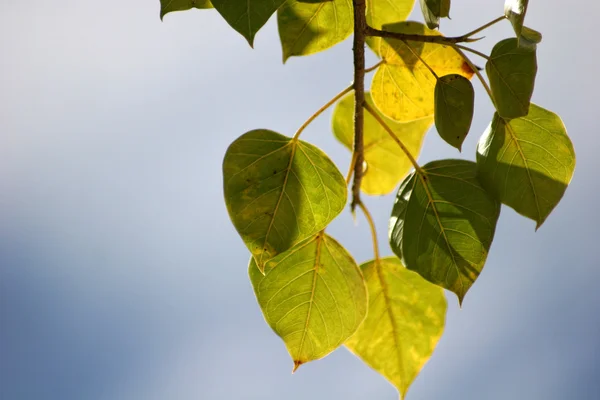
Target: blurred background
column 121, row 276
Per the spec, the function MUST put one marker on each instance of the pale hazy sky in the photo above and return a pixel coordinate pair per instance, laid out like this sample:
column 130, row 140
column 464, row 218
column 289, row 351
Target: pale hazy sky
column 121, row 276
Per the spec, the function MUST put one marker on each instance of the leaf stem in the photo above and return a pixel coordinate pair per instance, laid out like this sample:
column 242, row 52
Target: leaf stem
column 483, row 27
column 374, row 67
column 394, row 137
column 476, row 70
column 480, row 54
column 358, row 49
column 321, row 110
column 369, row 218
column 351, row 168
column 416, row 54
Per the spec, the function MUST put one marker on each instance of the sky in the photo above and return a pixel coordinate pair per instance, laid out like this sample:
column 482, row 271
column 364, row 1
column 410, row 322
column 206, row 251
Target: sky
column 122, row 278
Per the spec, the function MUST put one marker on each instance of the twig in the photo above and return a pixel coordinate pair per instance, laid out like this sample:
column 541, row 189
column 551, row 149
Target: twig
column 360, row 25
column 371, row 222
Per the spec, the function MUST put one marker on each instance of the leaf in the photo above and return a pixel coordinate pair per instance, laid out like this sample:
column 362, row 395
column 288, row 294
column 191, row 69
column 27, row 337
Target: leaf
column 529, row 38
column 443, row 224
column 454, row 104
column 247, row 16
column 403, row 87
column 433, row 10
column 405, row 321
column 511, row 70
column 386, row 162
column 383, row 12
column 515, row 11
column 307, row 28
column 527, row 163
column 279, row 191
column 313, row 297
column 167, row 6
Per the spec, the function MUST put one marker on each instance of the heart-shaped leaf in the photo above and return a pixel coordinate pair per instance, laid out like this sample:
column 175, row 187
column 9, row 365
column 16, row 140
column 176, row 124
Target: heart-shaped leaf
column 307, row 28
column 443, row 224
column 511, row 70
column 454, row 105
column 167, row 6
column 279, row 191
column 515, row 11
column 405, row 321
column 403, row 87
column 433, row 10
column 246, row 16
column 313, row 296
column 527, row 162
column 386, row 163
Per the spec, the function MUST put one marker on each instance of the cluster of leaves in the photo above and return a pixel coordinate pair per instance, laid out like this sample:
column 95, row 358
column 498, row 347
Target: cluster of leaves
column 281, row 192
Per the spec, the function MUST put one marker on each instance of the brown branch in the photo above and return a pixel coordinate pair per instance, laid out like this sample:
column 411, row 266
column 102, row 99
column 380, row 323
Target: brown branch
column 419, row 38
column 360, row 26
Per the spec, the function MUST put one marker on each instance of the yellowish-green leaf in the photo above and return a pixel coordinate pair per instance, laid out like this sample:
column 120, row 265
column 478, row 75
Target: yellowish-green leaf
column 279, row 191
column 385, row 161
column 511, row 70
column 313, row 297
column 515, row 11
column 307, row 28
column 454, row 105
column 527, row 162
column 403, row 87
column 167, row 6
column 247, row 16
column 443, row 224
column 404, row 323
column 433, row 10
column 383, row 12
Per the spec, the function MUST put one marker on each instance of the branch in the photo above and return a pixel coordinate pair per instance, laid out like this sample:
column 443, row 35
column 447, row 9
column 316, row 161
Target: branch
column 466, row 38
column 360, row 27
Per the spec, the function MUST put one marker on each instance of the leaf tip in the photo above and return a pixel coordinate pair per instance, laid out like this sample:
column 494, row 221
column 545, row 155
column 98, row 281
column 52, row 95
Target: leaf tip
column 297, row 364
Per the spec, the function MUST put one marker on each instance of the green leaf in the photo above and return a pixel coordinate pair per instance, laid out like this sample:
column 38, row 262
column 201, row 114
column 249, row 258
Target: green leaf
column 405, row 321
column 529, row 38
column 443, row 224
column 403, row 87
column 386, row 163
column 307, row 28
column 527, row 162
column 454, row 104
column 279, row 191
column 313, row 297
column 511, row 70
column 167, row 6
column 247, row 16
column 433, row 10
column 515, row 11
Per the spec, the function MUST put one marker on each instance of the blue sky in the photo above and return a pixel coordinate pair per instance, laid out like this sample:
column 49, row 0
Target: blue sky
column 121, row 276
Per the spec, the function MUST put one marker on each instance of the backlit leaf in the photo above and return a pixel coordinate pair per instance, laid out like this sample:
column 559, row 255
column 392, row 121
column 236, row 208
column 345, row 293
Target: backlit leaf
column 511, row 70
column 167, row 6
column 313, row 297
column 405, row 321
column 403, row 87
column 279, row 191
column 527, row 162
column 433, row 10
column 443, row 224
column 454, row 105
column 385, row 161
column 515, row 11
column 383, row 12
column 307, row 28
column 247, row 16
